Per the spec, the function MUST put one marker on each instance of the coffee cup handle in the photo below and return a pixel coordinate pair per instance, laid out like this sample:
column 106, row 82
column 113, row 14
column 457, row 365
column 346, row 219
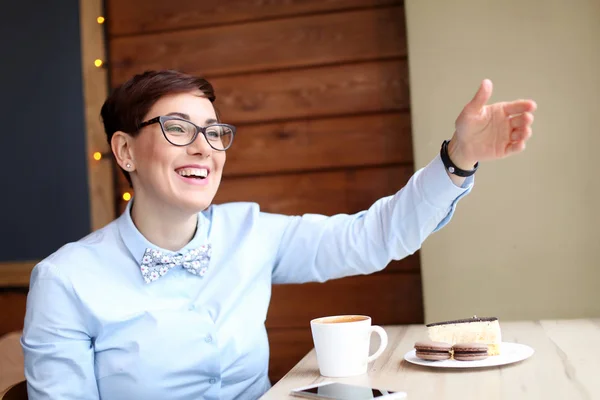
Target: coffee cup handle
column 384, row 341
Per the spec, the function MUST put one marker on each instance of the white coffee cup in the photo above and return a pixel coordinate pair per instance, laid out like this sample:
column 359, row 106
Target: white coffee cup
column 342, row 344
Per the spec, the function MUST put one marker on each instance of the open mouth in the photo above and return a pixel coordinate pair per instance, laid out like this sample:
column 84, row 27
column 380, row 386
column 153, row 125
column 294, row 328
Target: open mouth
column 194, row 173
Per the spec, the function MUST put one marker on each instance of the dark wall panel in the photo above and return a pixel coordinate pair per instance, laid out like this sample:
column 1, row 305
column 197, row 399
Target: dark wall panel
column 43, row 194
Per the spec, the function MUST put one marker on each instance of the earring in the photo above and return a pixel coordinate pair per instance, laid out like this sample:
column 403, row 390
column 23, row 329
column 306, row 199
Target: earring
column 128, row 165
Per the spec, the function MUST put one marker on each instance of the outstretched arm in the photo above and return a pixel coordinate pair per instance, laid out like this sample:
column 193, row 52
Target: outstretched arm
column 318, row 248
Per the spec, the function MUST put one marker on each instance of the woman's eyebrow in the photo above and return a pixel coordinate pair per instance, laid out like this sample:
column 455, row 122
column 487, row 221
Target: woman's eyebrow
column 180, row 115
column 185, row 116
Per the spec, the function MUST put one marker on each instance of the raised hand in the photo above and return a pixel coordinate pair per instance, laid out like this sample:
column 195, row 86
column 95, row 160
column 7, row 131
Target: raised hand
column 488, row 132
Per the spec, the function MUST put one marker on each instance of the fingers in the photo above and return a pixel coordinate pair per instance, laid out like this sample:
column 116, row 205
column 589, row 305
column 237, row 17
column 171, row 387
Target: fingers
column 483, row 95
column 515, row 147
column 521, row 127
column 520, row 106
column 521, row 134
column 521, row 120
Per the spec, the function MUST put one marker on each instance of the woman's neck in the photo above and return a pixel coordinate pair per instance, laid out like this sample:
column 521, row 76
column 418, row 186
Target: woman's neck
column 164, row 227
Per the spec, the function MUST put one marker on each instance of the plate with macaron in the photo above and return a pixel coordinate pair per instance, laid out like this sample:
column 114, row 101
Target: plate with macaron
column 466, row 343
column 465, row 355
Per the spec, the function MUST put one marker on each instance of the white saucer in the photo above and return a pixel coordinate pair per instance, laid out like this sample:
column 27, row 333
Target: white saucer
column 509, row 353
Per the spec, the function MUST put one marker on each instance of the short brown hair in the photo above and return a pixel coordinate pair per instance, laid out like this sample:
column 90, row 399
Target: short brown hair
column 126, row 107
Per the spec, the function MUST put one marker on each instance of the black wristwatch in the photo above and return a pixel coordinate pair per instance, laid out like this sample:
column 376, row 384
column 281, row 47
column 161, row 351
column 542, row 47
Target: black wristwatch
column 449, row 165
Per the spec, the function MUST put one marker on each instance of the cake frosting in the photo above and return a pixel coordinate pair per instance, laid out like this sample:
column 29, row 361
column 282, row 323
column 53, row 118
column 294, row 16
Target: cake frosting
column 471, row 330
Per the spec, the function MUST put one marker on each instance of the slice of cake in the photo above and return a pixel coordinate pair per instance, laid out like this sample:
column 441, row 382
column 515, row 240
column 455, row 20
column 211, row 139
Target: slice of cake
column 472, row 330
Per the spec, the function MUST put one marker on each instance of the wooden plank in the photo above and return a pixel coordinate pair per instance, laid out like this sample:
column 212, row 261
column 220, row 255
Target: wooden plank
column 12, row 304
column 386, row 298
column 16, row 273
column 323, row 143
column 350, row 190
column 95, row 85
column 17, row 391
column 287, row 347
column 272, row 45
column 328, row 192
column 306, row 145
column 324, row 192
column 12, row 364
column 315, row 92
column 142, row 16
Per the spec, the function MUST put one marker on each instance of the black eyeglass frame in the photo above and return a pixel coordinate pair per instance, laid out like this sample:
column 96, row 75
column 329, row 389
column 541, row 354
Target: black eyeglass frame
column 161, row 119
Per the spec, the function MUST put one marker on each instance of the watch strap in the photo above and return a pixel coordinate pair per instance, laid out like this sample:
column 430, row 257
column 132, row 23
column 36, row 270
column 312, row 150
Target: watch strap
column 451, row 167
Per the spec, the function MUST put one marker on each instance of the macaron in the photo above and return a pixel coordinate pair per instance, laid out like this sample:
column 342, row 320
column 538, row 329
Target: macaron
column 432, row 351
column 470, row 351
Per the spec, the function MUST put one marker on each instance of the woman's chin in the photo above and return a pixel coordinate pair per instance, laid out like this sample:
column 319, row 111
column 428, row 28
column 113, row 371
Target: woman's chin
column 194, row 205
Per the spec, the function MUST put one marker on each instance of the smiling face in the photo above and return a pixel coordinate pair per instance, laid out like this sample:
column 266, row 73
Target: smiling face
column 182, row 178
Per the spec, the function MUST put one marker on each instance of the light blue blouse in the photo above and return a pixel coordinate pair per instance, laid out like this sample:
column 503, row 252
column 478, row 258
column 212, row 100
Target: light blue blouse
column 95, row 329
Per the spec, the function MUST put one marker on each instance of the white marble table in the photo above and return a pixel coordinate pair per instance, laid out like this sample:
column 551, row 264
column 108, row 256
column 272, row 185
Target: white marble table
column 566, row 365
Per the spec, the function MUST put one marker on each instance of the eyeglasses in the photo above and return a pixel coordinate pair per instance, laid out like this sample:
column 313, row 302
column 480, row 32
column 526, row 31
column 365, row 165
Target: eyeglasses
column 181, row 132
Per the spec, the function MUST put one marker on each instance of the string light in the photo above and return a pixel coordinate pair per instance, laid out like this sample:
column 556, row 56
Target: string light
column 98, row 155
column 98, row 62
column 126, row 196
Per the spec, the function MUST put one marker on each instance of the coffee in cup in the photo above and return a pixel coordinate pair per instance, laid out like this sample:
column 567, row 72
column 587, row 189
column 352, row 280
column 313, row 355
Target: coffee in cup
column 342, row 344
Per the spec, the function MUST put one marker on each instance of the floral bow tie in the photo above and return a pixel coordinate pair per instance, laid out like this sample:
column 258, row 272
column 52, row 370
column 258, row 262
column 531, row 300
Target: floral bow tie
column 155, row 263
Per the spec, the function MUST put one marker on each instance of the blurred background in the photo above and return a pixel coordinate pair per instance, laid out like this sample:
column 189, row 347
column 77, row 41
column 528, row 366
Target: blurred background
column 337, row 103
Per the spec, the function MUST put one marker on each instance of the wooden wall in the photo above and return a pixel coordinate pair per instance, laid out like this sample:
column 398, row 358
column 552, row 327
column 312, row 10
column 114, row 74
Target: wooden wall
column 319, row 92
column 12, row 303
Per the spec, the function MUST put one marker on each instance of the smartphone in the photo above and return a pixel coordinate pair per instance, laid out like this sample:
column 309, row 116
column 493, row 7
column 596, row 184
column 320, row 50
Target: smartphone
column 343, row 391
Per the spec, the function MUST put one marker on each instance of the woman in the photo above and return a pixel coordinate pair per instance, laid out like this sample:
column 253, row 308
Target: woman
column 170, row 299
